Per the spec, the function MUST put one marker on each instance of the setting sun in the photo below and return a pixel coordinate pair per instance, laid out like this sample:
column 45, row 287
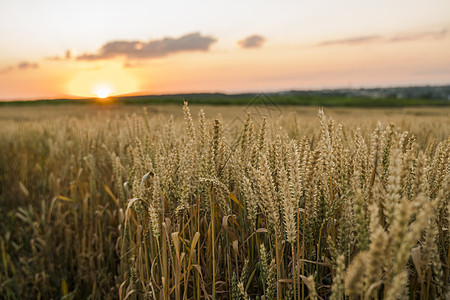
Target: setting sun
column 110, row 80
column 103, row 91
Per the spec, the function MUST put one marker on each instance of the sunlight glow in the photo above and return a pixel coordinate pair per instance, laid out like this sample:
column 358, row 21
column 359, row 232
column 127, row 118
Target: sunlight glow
column 103, row 82
column 103, row 91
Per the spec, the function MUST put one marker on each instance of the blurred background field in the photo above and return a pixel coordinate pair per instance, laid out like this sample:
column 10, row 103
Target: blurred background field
column 427, row 122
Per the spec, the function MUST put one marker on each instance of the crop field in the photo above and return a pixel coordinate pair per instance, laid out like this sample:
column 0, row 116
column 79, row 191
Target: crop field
column 235, row 202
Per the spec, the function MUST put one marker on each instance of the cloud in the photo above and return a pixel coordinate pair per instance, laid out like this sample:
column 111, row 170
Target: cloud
column 363, row 40
column 151, row 49
column 67, row 56
column 253, row 41
column 134, row 64
column 351, row 41
column 24, row 65
column 27, row 65
column 419, row 35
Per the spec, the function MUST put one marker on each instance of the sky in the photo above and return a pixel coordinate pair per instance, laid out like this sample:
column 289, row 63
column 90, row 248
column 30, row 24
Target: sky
column 89, row 48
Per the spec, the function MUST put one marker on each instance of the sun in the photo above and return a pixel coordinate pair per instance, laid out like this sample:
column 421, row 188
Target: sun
column 103, row 91
column 103, row 82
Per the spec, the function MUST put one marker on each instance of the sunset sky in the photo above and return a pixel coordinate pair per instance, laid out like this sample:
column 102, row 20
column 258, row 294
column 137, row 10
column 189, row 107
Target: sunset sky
column 84, row 48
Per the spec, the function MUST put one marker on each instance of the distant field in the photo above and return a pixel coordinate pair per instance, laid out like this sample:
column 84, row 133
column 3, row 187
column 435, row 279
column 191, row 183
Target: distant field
column 423, row 121
column 303, row 99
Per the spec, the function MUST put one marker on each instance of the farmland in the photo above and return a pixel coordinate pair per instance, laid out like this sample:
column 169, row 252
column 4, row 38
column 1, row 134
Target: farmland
column 225, row 202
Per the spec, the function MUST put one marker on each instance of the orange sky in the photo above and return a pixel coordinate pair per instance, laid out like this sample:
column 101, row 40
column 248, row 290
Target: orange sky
column 53, row 50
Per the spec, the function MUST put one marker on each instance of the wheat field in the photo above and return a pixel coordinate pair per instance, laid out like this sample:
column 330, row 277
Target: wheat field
column 101, row 203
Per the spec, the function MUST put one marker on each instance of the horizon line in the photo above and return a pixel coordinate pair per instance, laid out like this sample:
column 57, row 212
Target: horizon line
column 250, row 92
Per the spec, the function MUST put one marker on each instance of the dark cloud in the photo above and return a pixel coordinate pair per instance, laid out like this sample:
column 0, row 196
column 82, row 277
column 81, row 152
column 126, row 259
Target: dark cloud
column 151, row 49
column 362, row 40
column 24, row 65
column 253, row 41
column 351, row 41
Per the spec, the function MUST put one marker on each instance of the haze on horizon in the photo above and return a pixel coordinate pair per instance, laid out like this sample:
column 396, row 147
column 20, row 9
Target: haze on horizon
column 51, row 48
